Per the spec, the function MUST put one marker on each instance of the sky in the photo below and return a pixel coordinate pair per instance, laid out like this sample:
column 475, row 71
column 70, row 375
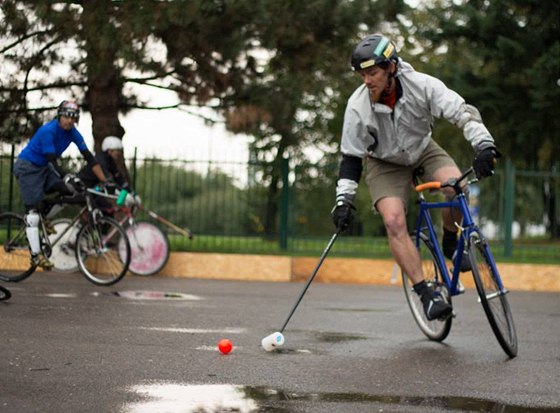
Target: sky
column 173, row 134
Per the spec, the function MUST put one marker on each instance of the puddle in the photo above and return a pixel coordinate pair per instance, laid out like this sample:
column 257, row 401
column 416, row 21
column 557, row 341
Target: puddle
column 61, row 295
column 337, row 337
column 196, row 330
column 360, row 310
column 185, row 398
column 282, row 350
column 173, row 398
column 154, row 295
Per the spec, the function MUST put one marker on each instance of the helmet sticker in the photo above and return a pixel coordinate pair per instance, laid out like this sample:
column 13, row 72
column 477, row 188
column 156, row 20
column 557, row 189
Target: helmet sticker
column 367, row 63
column 389, row 50
column 381, row 46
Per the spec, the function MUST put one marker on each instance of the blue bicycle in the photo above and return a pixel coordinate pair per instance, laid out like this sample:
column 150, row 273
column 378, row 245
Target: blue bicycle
column 491, row 291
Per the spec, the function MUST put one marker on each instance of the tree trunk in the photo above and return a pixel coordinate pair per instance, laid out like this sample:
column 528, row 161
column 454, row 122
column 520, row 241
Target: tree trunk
column 103, row 76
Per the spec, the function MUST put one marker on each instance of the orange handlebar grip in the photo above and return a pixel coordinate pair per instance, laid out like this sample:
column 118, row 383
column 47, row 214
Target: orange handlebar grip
column 428, row 185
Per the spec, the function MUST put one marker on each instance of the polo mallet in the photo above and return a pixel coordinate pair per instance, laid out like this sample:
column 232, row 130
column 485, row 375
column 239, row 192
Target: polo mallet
column 276, row 339
column 171, row 225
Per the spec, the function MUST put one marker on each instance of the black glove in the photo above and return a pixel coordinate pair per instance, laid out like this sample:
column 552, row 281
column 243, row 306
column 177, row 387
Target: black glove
column 110, row 184
column 483, row 163
column 342, row 214
column 74, row 184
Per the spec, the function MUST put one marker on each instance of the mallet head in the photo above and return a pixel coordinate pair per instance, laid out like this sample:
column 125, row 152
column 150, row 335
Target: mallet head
column 272, row 341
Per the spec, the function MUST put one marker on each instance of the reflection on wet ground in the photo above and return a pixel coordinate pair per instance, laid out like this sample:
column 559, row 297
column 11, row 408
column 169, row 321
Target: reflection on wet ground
column 154, row 295
column 337, row 337
column 196, row 398
column 361, row 310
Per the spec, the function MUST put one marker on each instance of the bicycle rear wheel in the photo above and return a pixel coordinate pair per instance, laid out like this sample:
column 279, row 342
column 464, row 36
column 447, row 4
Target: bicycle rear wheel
column 149, row 248
column 99, row 254
column 15, row 258
column 436, row 330
column 63, row 254
column 492, row 294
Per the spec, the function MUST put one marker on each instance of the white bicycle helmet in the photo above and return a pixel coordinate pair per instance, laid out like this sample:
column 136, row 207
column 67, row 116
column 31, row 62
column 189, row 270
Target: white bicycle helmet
column 110, row 143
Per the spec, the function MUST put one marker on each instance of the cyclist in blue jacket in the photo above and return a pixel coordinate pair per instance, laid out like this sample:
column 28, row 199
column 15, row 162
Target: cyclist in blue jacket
column 388, row 122
column 38, row 171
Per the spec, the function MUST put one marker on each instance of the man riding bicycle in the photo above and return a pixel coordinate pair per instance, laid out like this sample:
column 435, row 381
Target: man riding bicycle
column 111, row 160
column 38, row 172
column 388, row 121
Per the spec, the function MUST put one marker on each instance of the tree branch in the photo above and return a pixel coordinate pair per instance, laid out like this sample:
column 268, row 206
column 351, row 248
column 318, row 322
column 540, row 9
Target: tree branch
column 23, row 38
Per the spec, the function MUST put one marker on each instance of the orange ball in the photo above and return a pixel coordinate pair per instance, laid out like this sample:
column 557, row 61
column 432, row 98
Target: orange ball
column 225, row 346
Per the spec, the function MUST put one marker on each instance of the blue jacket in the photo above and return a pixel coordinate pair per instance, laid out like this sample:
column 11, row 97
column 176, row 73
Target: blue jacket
column 51, row 139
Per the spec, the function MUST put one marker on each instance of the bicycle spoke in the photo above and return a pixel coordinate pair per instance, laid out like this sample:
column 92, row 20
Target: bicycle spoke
column 97, row 253
column 436, row 330
column 492, row 296
column 15, row 257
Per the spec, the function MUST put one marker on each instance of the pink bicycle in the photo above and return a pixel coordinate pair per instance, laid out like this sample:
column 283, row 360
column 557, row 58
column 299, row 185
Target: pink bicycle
column 149, row 245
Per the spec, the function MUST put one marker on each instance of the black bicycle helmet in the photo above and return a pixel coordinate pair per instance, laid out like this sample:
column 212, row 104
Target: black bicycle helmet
column 69, row 108
column 373, row 50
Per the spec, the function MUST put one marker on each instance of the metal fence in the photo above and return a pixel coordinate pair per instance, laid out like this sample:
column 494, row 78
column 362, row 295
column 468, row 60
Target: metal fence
column 229, row 207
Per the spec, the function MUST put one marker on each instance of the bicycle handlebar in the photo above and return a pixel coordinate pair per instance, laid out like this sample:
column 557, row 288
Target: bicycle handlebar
column 453, row 182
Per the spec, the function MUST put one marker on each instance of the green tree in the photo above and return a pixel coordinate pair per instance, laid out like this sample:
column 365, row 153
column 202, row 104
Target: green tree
column 95, row 51
column 297, row 98
column 504, row 57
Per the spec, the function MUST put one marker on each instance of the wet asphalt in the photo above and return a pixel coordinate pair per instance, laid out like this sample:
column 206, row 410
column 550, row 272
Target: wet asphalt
column 149, row 344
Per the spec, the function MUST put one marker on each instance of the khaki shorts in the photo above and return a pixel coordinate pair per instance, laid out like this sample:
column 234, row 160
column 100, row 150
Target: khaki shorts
column 385, row 179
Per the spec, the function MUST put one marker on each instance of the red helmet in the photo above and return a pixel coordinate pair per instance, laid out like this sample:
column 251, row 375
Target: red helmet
column 69, row 108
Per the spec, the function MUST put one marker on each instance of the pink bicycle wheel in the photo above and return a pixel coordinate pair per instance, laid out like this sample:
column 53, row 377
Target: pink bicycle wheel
column 149, row 248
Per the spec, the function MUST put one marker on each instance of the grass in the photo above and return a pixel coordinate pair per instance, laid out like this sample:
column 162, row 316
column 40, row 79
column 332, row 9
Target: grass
column 541, row 252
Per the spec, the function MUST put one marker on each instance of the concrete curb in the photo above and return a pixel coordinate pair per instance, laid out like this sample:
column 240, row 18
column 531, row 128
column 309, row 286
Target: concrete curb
column 521, row 277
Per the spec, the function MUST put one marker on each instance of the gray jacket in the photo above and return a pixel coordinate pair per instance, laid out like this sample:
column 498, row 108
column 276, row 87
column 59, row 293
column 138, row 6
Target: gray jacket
column 403, row 135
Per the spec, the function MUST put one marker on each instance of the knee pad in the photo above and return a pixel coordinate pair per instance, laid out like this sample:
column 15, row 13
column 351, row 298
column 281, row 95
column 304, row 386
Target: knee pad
column 32, row 219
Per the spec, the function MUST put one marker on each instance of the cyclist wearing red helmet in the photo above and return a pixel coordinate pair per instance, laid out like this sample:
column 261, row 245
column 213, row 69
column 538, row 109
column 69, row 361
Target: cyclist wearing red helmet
column 388, row 121
column 38, row 171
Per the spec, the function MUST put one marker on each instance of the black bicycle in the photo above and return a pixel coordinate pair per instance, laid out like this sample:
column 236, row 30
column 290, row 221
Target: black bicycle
column 102, row 248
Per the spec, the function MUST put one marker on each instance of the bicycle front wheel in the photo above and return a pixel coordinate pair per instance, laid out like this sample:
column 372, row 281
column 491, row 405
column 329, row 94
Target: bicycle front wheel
column 436, row 330
column 149, row 248
column 98, row 251
column 15, row 257
column 492, row 294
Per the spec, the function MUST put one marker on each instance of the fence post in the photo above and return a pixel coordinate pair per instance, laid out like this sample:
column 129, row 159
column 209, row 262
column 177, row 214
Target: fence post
column 509, row 205
column 133, row 183
column 284, row 204
column 11, row 180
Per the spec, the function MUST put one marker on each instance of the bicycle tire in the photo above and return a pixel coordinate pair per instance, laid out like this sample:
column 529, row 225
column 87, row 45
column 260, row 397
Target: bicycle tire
column 435, row 330
column 492, row 297
column 5, row 294
column 15, row 256
column 149, row 248
column 97, row 251
column 63, row 254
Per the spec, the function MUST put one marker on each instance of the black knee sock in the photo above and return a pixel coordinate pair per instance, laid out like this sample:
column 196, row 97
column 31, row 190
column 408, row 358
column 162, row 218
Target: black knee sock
column 449, row 243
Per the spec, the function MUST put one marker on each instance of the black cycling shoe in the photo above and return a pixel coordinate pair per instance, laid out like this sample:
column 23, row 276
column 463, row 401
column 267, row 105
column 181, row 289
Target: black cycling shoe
column 465, row 262
column 435, row 306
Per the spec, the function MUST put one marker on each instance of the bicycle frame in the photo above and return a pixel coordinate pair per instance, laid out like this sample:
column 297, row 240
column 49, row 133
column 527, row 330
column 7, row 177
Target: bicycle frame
column 92, row 213
column 468, row 227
